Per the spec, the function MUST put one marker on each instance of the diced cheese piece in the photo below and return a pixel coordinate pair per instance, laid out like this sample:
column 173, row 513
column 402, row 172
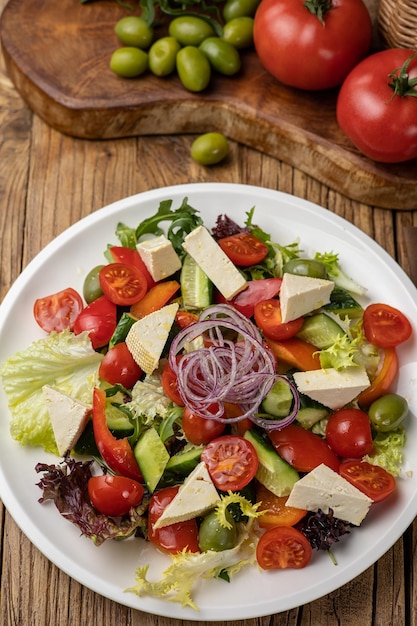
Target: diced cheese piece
column 324, row 489
column 147, row 337
column 206, row 252
column 331, row 387
column 68, row 417
column 195, row 497
column 300, row 295
column 159, row 256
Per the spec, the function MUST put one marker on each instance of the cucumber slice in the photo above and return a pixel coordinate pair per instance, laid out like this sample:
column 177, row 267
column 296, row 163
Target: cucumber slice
column 273, row 472
column 320, row 330
column 343, row 304
column 196, row 287
column 279, row 400
column 152, row 457
column 183, row 463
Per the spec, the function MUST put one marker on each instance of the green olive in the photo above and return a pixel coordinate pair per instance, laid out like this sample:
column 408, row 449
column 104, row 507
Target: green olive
column 91, row 287
column 190, row 30
column 239, row 32
column 239, row 8
column 306, row 267
column 163, row 55
column 213, row 536
column 223, row 57
column 210, row 148
column 193, row 68
column 134, row 31
column 388, row 412
column 129, row 62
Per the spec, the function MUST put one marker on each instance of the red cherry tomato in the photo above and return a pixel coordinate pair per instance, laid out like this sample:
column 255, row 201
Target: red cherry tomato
column 385, row 326
column 200, row 430
column 348, row 433
column 175, row 537
column 303, row 449
column 268, row 317
column 99, row 318
column 232, row 462
column 58, row 311
column 380, row 122
column 296, row 47
column 131, row 256
column 170, row 385
column 122, row 284
column 256, row 290
column 243, row 249
column 185, row 318
column 119, row 366
column 114, row 495
column 374, row 481
column 283, row 547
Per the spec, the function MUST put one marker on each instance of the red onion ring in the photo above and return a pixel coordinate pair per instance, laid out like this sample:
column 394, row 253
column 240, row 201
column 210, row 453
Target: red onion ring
column 241, row 372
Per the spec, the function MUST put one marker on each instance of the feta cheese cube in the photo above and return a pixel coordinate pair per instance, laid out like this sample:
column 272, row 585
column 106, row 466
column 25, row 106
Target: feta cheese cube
column 195, row 497
column 331, row 387
column 147, row 337
column 324, row 489
column 159, row 256
column 68, row 417
column 300, row 295
column 206, row 252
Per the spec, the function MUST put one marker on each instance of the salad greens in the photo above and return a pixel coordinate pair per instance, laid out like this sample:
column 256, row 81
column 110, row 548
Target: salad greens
column 64, row 360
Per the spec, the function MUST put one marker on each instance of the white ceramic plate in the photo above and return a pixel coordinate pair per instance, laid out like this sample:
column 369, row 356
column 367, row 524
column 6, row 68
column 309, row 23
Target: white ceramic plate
column 110, row 569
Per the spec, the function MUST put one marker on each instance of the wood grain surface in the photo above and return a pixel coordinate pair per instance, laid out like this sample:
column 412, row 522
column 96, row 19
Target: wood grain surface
column 57, row 55
column 48, row 181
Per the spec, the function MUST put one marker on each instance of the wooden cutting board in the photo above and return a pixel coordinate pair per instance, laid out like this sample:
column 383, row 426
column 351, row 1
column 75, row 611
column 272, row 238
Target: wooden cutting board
column 57, row 54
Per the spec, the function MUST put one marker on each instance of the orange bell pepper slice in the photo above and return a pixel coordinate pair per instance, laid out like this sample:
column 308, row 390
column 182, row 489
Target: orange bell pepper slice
column 157, row 296
column 296, row 353
column 383, row 381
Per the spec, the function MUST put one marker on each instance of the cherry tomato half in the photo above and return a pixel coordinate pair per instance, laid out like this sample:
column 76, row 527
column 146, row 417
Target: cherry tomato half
column 268, row 317
column 275, row 513
column 200, row 430
column 303, row 449
column 385, row 326
column 58, row 311
column 243, row 249
column 232, row 462
column 175, row 537
column 131, row 256
column 119, row 366
column 283, row 547
column 169, row 384
column 99, row 318
column 257, row 290
column 374, row 481
column 348, row 433
column 114, row 495
column 122, row 284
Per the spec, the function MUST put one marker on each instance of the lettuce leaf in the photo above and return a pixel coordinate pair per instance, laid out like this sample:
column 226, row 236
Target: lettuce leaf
column 388, row 450
column 64, row 361
column 187, row 568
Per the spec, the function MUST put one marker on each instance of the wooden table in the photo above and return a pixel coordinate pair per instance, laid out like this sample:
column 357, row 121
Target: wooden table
column 48, row 181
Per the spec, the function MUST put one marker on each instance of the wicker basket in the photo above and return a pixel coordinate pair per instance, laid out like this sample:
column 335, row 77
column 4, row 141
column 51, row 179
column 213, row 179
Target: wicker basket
column 397, row 22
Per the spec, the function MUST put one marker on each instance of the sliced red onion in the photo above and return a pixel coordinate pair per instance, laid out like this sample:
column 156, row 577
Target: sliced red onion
column 238, row 372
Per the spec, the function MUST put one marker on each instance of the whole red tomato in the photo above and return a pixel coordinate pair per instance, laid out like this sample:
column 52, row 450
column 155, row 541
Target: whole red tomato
column 311, row 44
column 379, row 121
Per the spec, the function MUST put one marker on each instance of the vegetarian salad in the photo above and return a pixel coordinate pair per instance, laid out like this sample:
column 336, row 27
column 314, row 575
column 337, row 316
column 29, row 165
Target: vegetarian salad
column 215, row 393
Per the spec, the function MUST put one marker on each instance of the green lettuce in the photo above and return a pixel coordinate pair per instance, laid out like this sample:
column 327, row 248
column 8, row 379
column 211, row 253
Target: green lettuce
column 62, row 360
column 388, row 451
column 187, row 568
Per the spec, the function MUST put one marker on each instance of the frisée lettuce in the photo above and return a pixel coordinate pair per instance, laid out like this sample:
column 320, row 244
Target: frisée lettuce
column 63, row 360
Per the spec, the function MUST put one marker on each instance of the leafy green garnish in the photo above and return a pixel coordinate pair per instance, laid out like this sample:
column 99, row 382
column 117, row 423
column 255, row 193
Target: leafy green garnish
column 388, row 450
column 340, row 354
column 337, row 275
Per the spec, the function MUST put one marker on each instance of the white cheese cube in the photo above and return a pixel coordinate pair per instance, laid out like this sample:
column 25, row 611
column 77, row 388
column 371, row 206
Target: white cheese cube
column 331, row 387
column 324, row 489
column 206, row 252
column 68, row 417
column 195, row 497
column 147, row 337
column 159, row 256
column 300, row 295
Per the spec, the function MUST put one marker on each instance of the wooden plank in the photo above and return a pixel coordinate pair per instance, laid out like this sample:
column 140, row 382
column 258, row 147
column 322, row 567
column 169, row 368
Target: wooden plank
column 57, row 54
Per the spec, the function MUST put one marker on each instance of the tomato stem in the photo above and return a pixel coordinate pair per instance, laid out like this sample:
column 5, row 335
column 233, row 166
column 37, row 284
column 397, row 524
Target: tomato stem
column 401, row 83
column 319, row 8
